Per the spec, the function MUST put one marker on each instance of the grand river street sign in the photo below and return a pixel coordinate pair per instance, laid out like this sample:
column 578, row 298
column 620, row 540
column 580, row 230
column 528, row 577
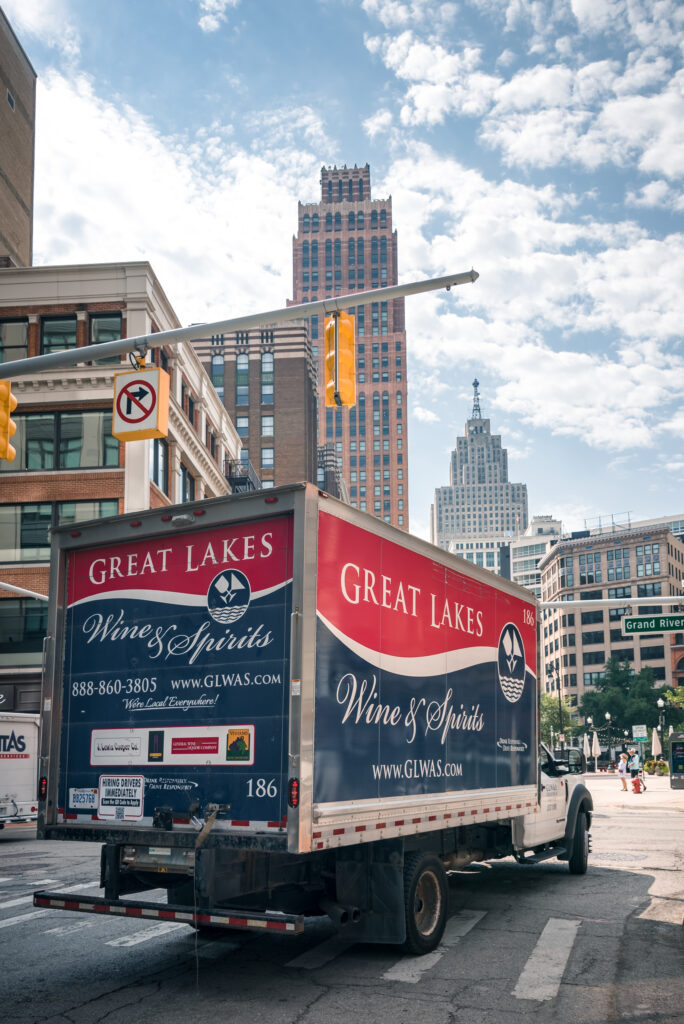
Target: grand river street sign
column 652, row 624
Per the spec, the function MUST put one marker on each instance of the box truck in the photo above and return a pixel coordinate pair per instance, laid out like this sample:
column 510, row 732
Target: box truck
column 18, row 768
column 274, row 706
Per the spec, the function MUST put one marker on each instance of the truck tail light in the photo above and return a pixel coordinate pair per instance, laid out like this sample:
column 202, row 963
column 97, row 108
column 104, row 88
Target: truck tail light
column 293, row 792
column 42, row 787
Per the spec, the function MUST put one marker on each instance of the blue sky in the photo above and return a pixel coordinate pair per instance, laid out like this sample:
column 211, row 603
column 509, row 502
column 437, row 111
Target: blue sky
column 539, row 141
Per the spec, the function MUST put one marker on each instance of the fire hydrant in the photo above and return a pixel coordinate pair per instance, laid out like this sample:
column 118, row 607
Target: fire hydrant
column 637, row 784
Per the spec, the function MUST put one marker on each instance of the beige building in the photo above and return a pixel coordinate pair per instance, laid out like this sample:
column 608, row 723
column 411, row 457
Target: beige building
column 69, row 467
column 643, row 560
column 17, row 146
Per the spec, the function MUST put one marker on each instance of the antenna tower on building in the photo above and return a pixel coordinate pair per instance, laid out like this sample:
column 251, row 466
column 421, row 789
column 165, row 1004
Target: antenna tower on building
column 477, row 415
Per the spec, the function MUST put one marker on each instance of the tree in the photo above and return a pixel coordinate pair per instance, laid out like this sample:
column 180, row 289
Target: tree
column 629, row 698
column 550, row 719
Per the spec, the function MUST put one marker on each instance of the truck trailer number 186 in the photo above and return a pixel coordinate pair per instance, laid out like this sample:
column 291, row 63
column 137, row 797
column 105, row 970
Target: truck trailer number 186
column 262, row 787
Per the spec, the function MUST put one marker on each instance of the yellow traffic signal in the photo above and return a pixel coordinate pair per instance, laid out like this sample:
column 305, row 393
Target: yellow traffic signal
column 8, row 427
column 340, row 360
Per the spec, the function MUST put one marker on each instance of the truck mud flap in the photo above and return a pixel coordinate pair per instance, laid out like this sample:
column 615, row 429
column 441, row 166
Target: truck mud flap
column 217, row 917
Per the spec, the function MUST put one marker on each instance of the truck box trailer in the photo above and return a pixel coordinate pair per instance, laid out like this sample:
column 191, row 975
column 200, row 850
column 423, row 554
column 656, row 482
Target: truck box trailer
column 18, row 768
column 273, row 706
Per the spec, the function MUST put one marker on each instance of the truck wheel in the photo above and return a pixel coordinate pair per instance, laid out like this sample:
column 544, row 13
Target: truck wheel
column 425, row 902
column 579, row 855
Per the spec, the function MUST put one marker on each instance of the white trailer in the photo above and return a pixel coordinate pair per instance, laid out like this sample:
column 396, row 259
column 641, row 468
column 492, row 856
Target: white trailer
column 18, row 768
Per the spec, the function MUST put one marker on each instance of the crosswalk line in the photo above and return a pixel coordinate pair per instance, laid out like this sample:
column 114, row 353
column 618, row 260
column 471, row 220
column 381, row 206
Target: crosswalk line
column 67, row 929
column 20, row 901
column 410, row 969
column 153, row 932
column 20, row 918
column 541, row 976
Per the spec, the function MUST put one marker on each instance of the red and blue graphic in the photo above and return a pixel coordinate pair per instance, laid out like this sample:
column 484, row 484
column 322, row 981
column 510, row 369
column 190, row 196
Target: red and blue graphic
column 425, row 676
column 176, row 674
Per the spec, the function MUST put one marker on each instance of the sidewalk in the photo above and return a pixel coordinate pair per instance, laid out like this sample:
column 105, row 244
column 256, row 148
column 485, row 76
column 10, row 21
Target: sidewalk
column 606, row 791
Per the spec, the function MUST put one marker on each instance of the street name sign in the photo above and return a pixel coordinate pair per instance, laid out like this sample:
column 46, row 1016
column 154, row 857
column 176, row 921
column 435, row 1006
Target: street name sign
column 141, row 405
column 644, row 624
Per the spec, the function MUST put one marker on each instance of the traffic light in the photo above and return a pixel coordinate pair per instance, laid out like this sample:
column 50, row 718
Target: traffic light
column 340, row 356
column 8, row 427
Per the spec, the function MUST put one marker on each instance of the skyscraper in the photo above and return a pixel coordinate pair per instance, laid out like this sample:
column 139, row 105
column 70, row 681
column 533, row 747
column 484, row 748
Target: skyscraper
column 346, row 243
column 17, row 131
column 480, row 511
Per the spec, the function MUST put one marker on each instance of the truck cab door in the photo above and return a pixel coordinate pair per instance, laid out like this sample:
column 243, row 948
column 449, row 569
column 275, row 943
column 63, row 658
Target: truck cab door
column 548, row 823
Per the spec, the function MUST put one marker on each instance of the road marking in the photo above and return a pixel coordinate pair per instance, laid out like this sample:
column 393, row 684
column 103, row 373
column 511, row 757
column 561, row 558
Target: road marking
column 9, row 921
column 321, row 954
column 410, row 969
column 154, row 932
column 44, row 881
column 67, row 929
column 21, row 900
column 542, row 974
column 8, row 879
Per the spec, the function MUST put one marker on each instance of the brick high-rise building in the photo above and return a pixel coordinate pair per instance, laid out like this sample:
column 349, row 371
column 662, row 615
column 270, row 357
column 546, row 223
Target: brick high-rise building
column 17, row 131
column 346, row 243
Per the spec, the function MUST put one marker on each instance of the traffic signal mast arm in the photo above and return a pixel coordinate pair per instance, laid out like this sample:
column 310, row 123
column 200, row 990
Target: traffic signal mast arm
column 140, row 344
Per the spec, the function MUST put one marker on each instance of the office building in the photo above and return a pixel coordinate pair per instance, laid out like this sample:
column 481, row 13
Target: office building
column 69, row 467
column 17, row 132
column 266, row 379
column 346, row 242
column 641, row 560
column 526, row 552
column 480, row 511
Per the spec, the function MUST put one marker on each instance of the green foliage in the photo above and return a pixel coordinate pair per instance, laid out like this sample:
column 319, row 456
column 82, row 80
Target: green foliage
column 675, row 696
column 551, row 718
column 630, row 698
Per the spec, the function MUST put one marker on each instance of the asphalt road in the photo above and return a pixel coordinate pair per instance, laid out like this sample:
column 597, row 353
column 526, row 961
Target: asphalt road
column 522, row 943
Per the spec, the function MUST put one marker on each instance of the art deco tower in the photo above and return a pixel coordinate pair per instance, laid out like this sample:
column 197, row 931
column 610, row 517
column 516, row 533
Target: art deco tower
column 346, row 243
column 480, row 504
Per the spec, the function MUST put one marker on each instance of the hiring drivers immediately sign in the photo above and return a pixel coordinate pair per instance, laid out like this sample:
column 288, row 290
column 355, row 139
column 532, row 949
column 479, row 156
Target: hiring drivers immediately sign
column 141, row 404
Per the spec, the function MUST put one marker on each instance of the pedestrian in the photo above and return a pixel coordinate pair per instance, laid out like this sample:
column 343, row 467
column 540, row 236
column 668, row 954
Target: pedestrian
column 622, row 771
column 634, row 763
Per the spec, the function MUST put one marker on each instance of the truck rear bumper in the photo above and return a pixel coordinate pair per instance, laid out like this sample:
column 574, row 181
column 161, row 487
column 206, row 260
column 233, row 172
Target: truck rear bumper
column 220, row 917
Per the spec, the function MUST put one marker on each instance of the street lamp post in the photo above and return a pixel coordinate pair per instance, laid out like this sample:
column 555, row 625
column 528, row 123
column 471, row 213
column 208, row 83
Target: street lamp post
column 608, row 730
column 661, row 720
column 560, row 714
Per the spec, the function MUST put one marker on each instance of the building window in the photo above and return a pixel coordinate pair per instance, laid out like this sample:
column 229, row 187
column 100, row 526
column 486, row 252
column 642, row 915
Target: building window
column 266, row 378
column 217, row 374
column 24, row 529
column 57, row 332
column 267, row 426
column 105, row 327
column 186, row 484
column 242, row 379
column 159, row 463
column 267, row 458
column 13, row 340
column 23, row 625
column 242, row 426
column 48, row 441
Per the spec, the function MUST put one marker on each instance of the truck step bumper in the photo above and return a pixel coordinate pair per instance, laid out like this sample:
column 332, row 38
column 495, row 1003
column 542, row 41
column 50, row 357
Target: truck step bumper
column 535, row 858
column 216, row 917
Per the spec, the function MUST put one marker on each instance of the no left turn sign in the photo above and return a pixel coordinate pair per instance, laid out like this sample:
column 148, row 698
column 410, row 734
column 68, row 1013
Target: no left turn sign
column 141, row 405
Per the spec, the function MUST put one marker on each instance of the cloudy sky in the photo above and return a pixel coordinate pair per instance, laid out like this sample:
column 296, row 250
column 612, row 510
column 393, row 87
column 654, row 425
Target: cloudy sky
column 539, row 141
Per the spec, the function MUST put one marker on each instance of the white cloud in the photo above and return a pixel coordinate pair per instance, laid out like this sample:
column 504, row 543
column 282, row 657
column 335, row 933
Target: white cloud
column 213, row 13
column 214, row 219
column 378, row 123
column 425, row 415
column 46, row 20
column 543, row 276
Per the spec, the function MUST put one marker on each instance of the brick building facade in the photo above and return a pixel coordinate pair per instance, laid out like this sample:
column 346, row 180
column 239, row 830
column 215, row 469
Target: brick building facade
column 17, row 132
column 69, row 467
column 346, row 243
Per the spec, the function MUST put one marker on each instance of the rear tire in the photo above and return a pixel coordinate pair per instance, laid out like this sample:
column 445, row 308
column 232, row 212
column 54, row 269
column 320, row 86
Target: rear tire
column 426, row 897
column 579, row 856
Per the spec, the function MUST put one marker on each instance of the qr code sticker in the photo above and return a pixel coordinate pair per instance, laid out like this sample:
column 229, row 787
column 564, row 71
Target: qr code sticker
column 119, row 813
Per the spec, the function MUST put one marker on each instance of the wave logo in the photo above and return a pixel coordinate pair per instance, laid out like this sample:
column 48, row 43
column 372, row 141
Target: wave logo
column 228, row 596
column 511, row 663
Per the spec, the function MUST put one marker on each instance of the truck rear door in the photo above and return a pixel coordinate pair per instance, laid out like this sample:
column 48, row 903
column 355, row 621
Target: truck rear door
column 175, row 676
